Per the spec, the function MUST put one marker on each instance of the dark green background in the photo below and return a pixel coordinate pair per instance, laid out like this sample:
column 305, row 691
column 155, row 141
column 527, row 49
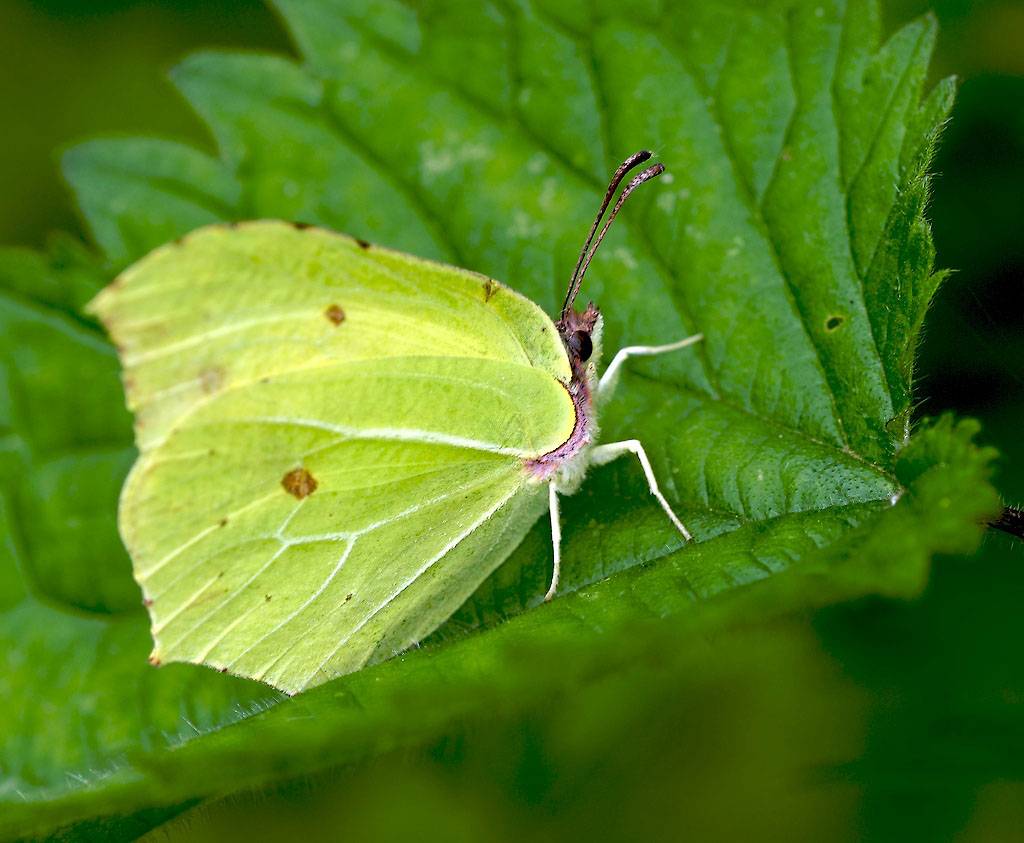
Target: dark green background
column 939, row 684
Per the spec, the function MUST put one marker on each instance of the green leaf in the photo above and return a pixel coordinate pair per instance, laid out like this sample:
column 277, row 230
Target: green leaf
column 144, row 192
column 791, row 234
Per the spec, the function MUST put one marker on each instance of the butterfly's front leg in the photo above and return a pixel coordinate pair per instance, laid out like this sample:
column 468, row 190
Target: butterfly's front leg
column 613, row 450
column 610, row 378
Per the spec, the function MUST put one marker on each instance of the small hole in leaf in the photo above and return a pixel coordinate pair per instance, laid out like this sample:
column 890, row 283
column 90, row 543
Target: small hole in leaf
column 833, row 322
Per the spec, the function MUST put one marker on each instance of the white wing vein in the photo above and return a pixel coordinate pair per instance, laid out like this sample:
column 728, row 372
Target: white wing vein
column 448, row 548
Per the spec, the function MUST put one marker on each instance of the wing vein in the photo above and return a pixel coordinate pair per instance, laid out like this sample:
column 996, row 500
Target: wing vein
column 448, row 548
column 391, row 434
column 295, row 613
column 201, row 337
column 145, row 575
column 351, row 539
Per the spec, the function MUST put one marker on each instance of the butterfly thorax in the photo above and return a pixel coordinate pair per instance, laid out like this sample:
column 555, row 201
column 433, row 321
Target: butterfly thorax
column 565, row 465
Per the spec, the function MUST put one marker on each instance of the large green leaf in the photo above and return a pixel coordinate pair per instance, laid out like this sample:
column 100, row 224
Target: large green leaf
column 791, row 234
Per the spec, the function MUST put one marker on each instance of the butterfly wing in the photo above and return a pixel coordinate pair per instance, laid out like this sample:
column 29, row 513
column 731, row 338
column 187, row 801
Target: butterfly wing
column 331, row 441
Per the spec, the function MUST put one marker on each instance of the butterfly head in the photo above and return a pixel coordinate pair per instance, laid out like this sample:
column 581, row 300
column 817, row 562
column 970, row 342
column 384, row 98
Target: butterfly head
column 580, row 332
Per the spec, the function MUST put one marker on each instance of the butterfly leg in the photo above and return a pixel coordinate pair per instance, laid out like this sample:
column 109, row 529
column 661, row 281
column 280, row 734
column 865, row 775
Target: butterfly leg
column 610, row 378
column 613, row 450
column 556, row 541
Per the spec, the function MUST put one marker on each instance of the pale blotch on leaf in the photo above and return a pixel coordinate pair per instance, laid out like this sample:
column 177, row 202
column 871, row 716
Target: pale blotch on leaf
column 299, row 483
column 335, row 314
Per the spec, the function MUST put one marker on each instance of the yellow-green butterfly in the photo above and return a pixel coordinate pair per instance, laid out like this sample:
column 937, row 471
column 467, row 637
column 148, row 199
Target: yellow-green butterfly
column 339, row 443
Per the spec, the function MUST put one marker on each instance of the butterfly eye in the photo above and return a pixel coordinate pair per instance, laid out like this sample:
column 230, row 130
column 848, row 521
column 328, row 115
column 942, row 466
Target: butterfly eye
column 580, row 345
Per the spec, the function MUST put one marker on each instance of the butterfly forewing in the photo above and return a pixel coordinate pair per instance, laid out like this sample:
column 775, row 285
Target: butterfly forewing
column 231, row 305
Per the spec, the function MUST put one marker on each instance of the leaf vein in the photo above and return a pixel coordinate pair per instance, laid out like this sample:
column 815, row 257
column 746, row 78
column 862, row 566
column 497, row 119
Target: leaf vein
column 756, row 213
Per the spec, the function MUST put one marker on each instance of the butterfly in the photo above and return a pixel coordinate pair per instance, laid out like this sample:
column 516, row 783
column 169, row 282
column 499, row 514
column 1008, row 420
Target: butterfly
column 339, row 442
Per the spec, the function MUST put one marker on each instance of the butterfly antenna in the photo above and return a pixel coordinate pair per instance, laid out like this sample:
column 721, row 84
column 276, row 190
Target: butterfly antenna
column 630, row 163
column 635, row 182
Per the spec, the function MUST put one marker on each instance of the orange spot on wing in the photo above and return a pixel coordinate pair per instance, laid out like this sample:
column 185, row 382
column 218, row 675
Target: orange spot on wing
column 299, row 483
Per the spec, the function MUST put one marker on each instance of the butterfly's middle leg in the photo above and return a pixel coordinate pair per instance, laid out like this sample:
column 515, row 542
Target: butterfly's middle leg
column 613, row 450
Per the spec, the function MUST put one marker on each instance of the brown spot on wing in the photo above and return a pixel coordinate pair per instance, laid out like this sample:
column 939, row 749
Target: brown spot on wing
column 335, row 314
column 299, row 482
column 211, row 379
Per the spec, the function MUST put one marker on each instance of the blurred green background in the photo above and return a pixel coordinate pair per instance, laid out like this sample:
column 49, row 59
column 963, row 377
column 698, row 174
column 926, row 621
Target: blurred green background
column 921, row 706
